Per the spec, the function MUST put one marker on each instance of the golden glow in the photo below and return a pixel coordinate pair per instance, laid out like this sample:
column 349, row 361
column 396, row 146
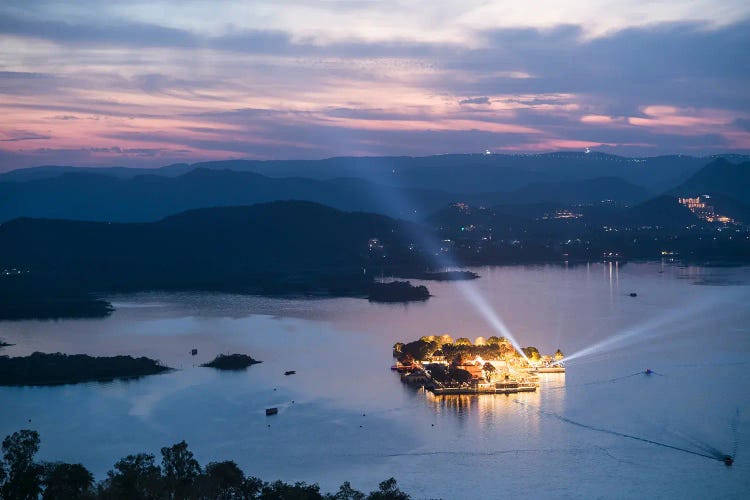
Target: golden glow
column 703, row 210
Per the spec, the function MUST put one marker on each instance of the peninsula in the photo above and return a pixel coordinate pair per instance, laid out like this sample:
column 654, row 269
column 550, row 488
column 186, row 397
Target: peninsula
column 58, row 369
column 397, row 291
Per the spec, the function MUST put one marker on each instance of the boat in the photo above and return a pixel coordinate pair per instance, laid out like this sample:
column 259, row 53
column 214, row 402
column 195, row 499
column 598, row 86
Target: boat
column 193, row 352
column 290, row 372
column 271, row 411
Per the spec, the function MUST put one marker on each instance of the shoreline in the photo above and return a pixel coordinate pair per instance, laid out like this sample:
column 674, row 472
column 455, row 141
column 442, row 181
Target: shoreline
column 57, row 369
column 99, row 304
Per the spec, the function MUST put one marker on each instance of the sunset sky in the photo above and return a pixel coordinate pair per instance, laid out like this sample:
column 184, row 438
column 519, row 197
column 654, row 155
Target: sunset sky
column 147, row 83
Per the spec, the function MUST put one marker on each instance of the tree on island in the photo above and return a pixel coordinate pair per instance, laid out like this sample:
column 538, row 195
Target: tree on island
column 406, row 359
column 489, row 369
column 532, row 353
column 420, row 349
column 459, row 359
column 445, row 339
column 459, row 375
column 462, row 341
column 439, row 372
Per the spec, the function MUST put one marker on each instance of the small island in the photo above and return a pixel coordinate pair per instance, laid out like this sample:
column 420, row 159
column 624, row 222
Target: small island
column 397, row 291
column 486, row 366
column 58, row 369
column 231, row 362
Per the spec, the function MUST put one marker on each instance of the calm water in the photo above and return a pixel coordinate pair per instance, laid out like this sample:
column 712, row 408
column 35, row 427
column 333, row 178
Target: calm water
column 345, row 416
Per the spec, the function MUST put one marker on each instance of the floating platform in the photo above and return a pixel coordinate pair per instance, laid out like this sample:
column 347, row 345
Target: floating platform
column 490, row 389
column 548, row 369
column 271, row 411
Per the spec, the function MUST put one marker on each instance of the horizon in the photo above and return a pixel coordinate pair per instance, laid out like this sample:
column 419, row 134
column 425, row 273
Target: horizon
column 270, row 160
column 138, row 84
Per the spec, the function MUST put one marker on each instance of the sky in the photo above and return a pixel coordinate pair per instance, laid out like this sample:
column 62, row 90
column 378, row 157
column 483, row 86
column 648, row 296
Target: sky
column 148, row 83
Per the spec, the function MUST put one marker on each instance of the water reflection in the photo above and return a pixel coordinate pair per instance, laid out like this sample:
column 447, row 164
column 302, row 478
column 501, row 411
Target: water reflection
column 341, row 350
column 485, row 411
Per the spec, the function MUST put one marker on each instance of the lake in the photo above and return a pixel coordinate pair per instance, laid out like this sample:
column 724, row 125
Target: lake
column 346, row 416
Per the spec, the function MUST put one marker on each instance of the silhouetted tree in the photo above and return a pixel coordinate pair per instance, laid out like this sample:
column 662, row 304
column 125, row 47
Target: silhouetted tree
column 388, row 490
column 135, row 477
column 438, row 372
column 346, row 492
column 223, row 481
column 66, row 481
column 279, row 490
column 180, row 470
column 419, row 349
column 459, row 375
column 22, row 475
column 252, row 487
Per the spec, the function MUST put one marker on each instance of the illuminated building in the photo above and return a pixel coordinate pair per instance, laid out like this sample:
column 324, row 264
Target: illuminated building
column 703, row 210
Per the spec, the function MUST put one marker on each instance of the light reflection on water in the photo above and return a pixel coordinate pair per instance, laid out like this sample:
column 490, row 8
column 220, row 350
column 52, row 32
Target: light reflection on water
column 345, row 416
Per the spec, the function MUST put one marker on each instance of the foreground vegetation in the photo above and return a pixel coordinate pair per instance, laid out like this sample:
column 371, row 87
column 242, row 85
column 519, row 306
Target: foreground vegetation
column 56, row 369
column 139, row 477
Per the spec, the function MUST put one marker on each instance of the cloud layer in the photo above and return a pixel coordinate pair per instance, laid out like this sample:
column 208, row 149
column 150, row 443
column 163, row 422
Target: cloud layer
column 148, row 83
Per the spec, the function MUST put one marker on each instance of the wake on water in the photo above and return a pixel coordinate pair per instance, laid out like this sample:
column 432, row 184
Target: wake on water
column 706, row 450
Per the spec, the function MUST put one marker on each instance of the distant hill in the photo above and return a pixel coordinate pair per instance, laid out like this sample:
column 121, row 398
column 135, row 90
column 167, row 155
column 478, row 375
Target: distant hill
column 727, row 184
column 146, row 198
column 664, row 211
column 719, row 178
column 270, row 248
column 551, row 220
column 51, row 171
column 466, row 173
column 579, row 191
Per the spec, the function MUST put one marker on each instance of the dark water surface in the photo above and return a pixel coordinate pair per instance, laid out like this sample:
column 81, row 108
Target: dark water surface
column 691, row 325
